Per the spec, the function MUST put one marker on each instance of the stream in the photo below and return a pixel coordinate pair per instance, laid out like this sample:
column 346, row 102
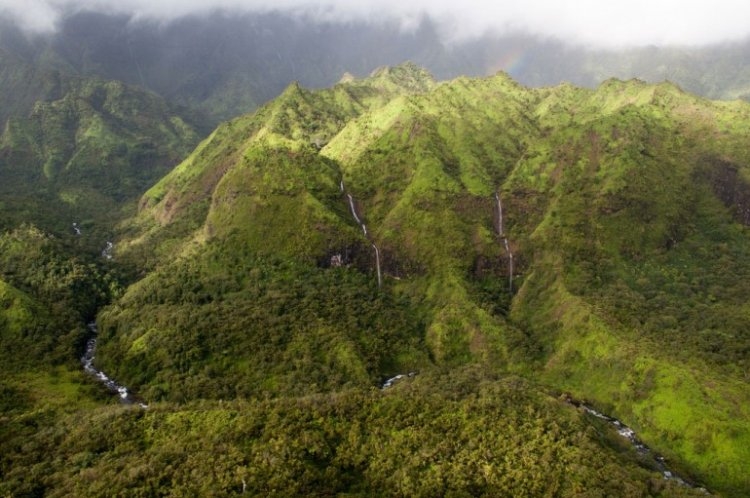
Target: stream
column 353, row 210
column 501, row 233
column 88, row 365
column 638, row 445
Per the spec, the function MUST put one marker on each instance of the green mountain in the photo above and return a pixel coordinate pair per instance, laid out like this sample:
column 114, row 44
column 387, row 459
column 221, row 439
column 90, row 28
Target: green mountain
column 505, row 249
column 83, row 151
column 226, row 63
column 623, row 209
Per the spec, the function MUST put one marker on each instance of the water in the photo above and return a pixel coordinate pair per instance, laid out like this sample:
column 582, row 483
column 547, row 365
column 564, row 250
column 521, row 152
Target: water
column 499, row 214
column 389, row 382
column 354, row 211
column 377, row 265
column 107, row 251
column 510, row 271
column 629, row 434
column 364, row 231
column 88, row 365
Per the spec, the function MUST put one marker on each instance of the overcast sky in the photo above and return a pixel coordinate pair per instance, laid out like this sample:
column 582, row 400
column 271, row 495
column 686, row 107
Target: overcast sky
column 624, row 22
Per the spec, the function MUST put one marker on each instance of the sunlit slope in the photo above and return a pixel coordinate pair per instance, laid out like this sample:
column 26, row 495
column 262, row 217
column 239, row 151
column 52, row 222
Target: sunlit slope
column 617, row 270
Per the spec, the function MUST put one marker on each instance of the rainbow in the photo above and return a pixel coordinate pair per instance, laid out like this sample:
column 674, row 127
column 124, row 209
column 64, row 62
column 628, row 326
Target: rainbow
column 513, row 61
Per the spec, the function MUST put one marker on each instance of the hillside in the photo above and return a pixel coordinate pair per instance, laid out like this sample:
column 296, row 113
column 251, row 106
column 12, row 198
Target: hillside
column 511, row 252
column 81, row 153
column 591, row 241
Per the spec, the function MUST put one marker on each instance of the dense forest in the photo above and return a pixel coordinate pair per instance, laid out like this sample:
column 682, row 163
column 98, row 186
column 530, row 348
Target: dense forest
column 506, row 250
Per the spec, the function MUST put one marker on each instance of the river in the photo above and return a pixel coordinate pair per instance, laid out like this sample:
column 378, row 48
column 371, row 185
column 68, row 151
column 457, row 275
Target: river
column 87, row 360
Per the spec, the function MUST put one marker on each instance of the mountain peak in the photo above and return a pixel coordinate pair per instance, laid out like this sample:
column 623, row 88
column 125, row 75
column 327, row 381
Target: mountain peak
column 347, row 77
column 406, row 75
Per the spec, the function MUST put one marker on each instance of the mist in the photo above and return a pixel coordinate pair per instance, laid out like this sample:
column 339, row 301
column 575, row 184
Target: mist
column 590, row 22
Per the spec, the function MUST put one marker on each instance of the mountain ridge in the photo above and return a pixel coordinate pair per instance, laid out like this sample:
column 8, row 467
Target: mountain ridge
column 503, row 249
column 597, row 188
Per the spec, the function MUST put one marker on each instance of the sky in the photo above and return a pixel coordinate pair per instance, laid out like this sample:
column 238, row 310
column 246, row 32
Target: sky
column 593, row 22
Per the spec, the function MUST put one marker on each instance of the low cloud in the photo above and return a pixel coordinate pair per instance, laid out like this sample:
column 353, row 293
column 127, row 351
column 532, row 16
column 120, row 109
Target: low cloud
column 638, row 22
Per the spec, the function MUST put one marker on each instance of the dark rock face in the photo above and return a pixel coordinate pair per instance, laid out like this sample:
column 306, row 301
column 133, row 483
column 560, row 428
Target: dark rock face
column 731, row 188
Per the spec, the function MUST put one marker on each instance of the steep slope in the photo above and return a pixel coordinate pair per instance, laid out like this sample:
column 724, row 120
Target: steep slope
column 84, row 154
column 256, row 219
column 593, row 241
column 621, row 296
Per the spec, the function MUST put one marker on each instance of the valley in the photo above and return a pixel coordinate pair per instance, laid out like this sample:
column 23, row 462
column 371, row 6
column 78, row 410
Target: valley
column 517, row 247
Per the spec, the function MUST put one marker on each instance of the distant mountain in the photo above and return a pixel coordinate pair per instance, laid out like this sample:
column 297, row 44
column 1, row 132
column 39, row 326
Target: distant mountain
column 504, row 249
column 228, row 63
column 593, row 240
column 77, row 149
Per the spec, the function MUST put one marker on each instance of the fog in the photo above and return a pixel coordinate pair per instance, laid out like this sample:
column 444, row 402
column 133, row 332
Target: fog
column 591, row 22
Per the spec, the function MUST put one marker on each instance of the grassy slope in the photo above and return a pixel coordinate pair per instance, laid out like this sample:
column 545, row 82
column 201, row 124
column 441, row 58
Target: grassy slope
column 615, row 201
column 625, row 252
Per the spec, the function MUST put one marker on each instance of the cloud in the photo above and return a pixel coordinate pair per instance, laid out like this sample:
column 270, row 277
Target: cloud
column 636, row 22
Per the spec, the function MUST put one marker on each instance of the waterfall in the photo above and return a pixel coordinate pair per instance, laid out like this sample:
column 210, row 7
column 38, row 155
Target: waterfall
column 499, row 214
column 506, row 244
column 510, row 271
column 354, row 211
column 377, row 265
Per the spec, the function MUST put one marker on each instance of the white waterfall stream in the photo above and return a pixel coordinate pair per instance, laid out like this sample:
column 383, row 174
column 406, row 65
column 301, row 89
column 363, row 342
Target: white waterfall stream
column 629, row 434
column 377, row 264
column 88, row 365
column 501, row 232
column 353, row 210
column 510, row 272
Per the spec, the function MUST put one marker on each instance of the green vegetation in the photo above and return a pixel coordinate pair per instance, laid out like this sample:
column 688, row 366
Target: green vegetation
column 460, row 433
column 254, row 327
column 83, row 154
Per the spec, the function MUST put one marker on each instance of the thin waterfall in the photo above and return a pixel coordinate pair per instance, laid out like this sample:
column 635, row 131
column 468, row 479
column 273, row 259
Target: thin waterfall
column 501, row 232
column 377, row 265
column 353, row 210
column 510, row 272
column 499, row 214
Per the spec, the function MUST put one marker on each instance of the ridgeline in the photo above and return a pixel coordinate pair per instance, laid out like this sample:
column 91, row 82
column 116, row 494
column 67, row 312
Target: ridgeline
column 532, row 246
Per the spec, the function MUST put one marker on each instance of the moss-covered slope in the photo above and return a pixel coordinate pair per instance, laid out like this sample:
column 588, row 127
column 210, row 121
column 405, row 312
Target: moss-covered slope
column 624, row 210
